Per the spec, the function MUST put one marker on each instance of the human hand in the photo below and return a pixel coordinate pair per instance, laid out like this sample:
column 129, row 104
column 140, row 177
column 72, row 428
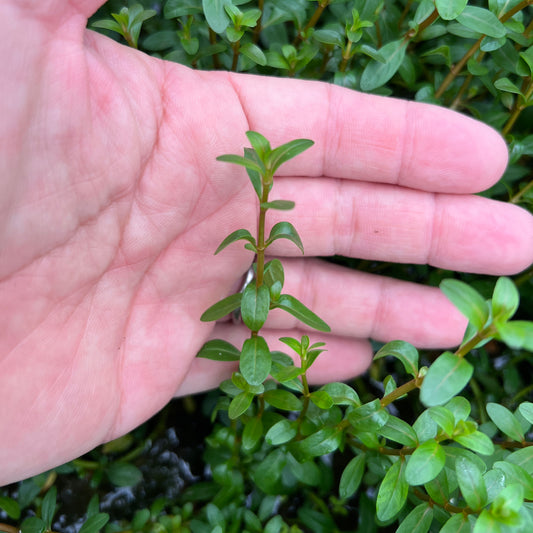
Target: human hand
column 112, row 204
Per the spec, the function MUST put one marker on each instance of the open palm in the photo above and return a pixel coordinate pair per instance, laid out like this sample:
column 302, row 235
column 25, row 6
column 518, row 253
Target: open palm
column 111, row 204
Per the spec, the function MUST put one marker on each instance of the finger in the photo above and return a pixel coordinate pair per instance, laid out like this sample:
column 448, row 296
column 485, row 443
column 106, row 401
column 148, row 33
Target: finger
column 389, row 223
column 363, row 305
column 345, row 358
column 372, row 138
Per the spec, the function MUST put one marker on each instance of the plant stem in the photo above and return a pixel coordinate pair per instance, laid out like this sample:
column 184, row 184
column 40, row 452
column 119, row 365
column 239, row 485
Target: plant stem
column 260, row 257
column 519, row 106
column 401, row 390
column 312, row 21
column 258, row 26
column 236, row 48
column 345, row 56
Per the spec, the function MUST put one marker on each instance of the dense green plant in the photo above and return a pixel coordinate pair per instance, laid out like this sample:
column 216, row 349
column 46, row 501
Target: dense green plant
column 425, row 441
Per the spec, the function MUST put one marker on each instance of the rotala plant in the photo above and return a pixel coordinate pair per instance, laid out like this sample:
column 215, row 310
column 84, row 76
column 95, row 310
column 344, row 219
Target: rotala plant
column 264, row 291
column 443, row 471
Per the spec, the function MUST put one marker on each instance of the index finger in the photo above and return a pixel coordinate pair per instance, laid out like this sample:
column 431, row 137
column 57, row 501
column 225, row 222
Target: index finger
column 373, row 138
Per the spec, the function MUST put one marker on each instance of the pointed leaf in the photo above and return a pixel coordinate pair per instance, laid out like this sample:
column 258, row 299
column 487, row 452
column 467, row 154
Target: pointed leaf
column 253, row 52
column 397, row 430
column 48, row 507
column 471, row 483
column 444, row 418
column 324, row 441
column 469, row 302
column 377, row 74
column 301, row 312
column 285, row 230
column 274, row 273
column 418, row 520
column 404, row 352
column 240, row 234
column 255, row 360
column 222, row 308
column 352, row 476
column 219, row 350
column 252, row 433
column 425, row 463
column 240, row 404
column 506, row 421
column 240, row 160
column 526, row 410
column 259, row 143
column 94, row 523
column 255, row 305
column 287, row 151
column 445, row 378
column 392, row 493
column 281, row 432
column 254, row 175
column 505, row 299
column 10, row 506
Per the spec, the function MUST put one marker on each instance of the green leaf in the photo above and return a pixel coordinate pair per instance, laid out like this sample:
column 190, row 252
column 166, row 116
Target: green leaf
column 219, row 350
column 460, row 407
column 341, row 394
column 95, row 523
column 425, row 463
column 444, row 419
column 377, row 74
column 240, row 234
column 10, row 506
column 107, row 24
column 404, row 352
column 526, row 410
column 252, row 432
column 253, row 52
column 351, row 476
column 281, row 432
column 477, row 442
column 240, row 404
column 486, row 523
column 445, row 378
column 281, row 205
column 471, row 483
column 254, row 175
column 324, row 441
column 392, row 493
column 368, row 417
column 450, row 9
column 321, row 399
column 285, row 230
column 516, row 474
column 482, row 20
column 282, row 399
column 301, row 312
column 439, row 488
column 397, row 430
column 123, row 474
column 326, row 36
column 458, row 523
column 517, row 334
column 506, row 85
column 418, row 520
column 222, row 308
column 523, row 458
column 506, row 421
column 255, row 305
column 274, row 273
column 240, row 160
column 287, row 151
column 48, row 507
column 527, row 57
column 215, row 14
column 508, row 502
column 255, row 360
column 33, row 524
column 469, row 302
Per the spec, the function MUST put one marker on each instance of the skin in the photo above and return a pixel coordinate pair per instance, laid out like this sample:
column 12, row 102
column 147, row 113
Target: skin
column 112, row 203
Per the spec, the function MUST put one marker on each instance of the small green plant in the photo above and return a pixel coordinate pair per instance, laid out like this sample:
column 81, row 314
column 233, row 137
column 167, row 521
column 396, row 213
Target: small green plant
column 444, row 467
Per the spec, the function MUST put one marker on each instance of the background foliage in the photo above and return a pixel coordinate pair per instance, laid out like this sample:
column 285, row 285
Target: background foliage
column 365, row 457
